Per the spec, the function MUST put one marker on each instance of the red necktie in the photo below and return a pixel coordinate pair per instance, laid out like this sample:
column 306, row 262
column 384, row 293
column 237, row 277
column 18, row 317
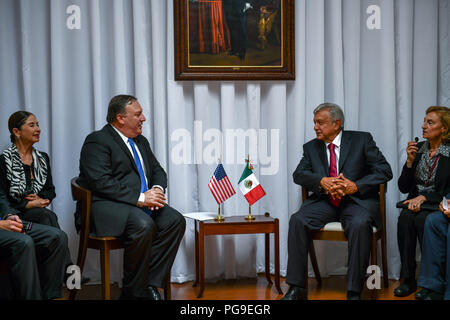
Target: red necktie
column 333, row 172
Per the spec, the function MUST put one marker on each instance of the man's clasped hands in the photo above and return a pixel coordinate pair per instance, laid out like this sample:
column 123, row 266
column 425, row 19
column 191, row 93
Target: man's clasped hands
column 338, row 187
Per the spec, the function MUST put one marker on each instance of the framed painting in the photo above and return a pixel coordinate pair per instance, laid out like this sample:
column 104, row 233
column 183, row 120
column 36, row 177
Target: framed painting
column 234, row 39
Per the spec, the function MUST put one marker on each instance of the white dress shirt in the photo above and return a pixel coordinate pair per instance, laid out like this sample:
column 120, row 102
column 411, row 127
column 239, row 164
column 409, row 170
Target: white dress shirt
column 337, row 150
column 125, row 140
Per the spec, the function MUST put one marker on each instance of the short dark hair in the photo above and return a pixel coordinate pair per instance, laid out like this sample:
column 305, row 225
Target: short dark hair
column 117, row 106
column 17, row 120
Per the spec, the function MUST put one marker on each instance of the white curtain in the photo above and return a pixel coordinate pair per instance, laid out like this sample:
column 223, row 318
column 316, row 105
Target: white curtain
column 383, row 78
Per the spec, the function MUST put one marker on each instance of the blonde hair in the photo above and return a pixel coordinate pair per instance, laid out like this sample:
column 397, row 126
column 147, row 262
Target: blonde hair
column 444, row 115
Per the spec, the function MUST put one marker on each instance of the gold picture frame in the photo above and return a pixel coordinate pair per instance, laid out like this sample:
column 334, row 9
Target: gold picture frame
column 234, row 40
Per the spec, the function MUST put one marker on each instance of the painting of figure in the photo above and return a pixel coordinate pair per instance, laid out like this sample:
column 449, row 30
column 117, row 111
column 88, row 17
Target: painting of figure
column 235, row 32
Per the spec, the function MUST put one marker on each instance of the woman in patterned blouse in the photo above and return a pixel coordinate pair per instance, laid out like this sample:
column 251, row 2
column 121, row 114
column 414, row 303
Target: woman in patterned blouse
column 426, row 179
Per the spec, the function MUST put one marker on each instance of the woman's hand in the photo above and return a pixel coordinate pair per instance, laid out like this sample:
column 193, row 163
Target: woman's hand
column 415, row 203
column 34, row 201
column 411, row 151
column 32, row 197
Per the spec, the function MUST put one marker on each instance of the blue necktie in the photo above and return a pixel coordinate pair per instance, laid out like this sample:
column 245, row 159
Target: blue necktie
column 141, row 172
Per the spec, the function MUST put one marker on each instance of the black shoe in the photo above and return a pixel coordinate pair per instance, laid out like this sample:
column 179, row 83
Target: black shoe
column 150, row 293
column 124, row 295
column 433, row 295
column 154, row 293
column 405, row 289
column 352, row 295
column 422, row 294
column 296, row 293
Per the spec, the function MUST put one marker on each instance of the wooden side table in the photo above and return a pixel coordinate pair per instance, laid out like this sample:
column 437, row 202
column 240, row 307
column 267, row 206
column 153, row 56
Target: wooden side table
column 236, row 225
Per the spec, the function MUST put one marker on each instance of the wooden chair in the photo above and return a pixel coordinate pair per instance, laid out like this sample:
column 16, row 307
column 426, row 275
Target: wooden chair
column 104, row 244
column 333, row 231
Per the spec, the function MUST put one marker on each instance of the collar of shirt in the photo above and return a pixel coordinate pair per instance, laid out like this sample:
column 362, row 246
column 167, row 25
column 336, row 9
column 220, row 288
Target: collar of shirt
column 124, row 138
column 336, row 141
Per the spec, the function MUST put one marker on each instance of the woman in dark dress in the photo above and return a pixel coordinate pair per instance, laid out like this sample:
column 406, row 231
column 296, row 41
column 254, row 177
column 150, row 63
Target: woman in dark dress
column 426, row 178
column 25, row 174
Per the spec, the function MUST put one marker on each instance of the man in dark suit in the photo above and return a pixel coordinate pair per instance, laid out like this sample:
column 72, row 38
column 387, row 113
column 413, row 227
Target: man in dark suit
column 128, row 198
column 342, row 169
column 35, row 259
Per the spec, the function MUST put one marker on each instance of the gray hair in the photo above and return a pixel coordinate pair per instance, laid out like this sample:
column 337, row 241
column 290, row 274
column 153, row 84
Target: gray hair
column 334, row 110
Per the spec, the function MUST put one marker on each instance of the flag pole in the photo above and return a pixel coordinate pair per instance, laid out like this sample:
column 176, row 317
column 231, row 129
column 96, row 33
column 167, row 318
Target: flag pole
column 219, row 218
column 249, row 217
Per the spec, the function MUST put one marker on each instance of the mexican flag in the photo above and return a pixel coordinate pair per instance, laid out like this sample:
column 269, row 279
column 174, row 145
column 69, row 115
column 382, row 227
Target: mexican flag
column 249, row 186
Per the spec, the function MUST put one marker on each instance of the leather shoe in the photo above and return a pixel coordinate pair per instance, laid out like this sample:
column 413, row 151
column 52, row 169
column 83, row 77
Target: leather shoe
column 433, row 295
column 422, row 294
column 151, row 293
column 124, row 295
column 405, row 289
column 352, row 295
column 296, row 293
column 154, row 293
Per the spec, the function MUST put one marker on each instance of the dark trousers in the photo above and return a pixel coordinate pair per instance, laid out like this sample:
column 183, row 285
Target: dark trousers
column 435, row 262
column 46, row 217
column 357, row 224
column 410, row 229
column 35, row 261
column 151, row 244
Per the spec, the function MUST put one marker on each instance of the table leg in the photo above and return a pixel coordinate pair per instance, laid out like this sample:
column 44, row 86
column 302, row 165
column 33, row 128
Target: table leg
column 196, row 254
column 267, row 256
column 277, row 256
column 201, row 259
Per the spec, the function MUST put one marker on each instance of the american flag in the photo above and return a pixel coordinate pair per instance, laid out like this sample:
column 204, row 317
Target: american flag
column 220, row 185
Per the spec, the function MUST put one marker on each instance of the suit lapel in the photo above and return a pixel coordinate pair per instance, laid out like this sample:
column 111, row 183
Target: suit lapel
column 122, row 145
column 346, row 144
column 321, row 147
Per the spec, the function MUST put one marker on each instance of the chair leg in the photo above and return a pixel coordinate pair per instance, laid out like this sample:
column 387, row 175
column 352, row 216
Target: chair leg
column 104, row 261
column 80, row 262
column 312, row 256
column 373, row 249
column 384, row 263
column 373, row 261
column 167, row 289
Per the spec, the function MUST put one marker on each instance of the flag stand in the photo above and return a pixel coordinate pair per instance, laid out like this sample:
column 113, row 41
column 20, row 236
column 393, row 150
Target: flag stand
column 219, row 218
column 249, row 217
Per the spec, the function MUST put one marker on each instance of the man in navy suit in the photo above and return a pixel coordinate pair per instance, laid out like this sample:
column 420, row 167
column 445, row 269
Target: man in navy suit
column 343, row 170
column 128, row 198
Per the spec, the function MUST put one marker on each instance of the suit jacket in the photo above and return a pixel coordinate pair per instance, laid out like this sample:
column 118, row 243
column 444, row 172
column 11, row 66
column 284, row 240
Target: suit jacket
column 407, row 182
column 107, row 168
column 360, row 161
